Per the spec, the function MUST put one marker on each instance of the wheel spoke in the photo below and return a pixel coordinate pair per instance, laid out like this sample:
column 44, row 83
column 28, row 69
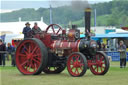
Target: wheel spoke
column 26, row 66
column 35, row 67
column 77, row 58
column 24, row 63
column 72, row 61
column 29, row 66
column 25, row 48
column 81, row 61
column 102, row 58
column 53, row 29
column 36, row 55
column 58, row 30
column 29, row 51
column 72, row 67
column 101, row 69
column 38, row 62
column 22, row 55
column 97, row 68
column 38, row 59
column 77, row 72
column 34, row 49
column 81, row 69
column 26, row 52
column 37, row 51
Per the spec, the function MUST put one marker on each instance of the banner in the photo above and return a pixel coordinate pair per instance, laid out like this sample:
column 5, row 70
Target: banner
column 115, row 55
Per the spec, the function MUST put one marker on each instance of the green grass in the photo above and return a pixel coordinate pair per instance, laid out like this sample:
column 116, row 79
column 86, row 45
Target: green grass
column 115, row 76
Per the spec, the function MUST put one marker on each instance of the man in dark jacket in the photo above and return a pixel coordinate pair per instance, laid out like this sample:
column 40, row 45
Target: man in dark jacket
column 122, row 50
column 2, row 54
column 11, row 51
column 26, row 30
column 36, row 29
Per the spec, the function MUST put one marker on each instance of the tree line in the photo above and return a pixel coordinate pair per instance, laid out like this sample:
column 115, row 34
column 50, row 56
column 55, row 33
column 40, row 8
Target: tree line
column 113, row 13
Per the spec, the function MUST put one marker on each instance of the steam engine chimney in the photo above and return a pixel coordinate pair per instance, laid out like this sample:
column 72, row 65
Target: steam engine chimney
column 87, row 22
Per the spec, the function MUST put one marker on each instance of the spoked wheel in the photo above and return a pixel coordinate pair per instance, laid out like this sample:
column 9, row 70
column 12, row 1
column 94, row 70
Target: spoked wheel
column 54, row 70
column 31, row 56
column 101, row 65
column 77, row 64
column 53, row 27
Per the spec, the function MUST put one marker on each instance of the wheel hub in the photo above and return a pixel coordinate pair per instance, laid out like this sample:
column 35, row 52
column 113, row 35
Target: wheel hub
column 99, row 63
column 76, row 64
column 29, row 56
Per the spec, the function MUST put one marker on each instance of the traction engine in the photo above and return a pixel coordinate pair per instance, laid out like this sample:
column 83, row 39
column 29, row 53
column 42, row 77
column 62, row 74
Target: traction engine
column 50, row 52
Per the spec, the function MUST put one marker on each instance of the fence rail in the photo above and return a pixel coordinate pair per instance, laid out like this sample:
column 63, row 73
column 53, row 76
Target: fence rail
column 6, row 52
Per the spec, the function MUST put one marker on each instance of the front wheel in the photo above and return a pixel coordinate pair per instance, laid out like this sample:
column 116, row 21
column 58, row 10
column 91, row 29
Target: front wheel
column 77, row 64
column 100, row 64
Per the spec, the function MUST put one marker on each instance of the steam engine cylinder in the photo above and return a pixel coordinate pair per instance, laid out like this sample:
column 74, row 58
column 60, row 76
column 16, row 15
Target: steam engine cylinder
column 66, row 48
column 58, row 44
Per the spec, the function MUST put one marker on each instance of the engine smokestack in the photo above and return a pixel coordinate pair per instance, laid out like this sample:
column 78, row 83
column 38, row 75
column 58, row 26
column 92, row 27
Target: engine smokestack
column 87, row 22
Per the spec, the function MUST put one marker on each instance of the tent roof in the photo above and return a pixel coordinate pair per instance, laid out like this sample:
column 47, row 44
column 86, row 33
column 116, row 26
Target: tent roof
column 122, row 35
column 20, row 37
column 111, row 35
column 17, row 27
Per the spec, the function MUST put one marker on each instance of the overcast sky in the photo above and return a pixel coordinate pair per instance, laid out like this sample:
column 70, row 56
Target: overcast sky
column 18, row 4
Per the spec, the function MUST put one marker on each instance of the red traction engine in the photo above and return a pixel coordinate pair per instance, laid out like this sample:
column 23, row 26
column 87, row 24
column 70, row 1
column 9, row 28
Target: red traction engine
column 52, row 52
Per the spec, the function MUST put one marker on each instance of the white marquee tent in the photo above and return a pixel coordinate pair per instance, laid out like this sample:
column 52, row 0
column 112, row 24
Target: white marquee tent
column 17, row 27
column 13, row 30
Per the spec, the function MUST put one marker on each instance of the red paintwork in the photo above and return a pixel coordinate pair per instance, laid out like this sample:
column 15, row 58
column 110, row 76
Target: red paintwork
column 97, row 66
column 75, row 64
column 52, row 27
column 28, row 57
column 64, row 44
column 124, row 28
column 61, row 43
column 15, row 42
column 58, row 44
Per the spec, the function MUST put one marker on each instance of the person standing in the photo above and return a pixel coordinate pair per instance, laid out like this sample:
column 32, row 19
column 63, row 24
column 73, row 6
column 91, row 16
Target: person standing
column 26, row 30
column 36, row 28
column 99, row 45
column 122, row 50
column 2, row 55
column 103, row 47
column 11, row 51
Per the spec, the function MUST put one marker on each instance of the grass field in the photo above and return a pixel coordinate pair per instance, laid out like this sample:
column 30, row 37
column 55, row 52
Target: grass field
column 115, row 76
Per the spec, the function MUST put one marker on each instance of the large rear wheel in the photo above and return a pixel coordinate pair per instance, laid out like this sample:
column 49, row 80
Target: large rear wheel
column 101, row 64
column 77, row 64
column 31, row 56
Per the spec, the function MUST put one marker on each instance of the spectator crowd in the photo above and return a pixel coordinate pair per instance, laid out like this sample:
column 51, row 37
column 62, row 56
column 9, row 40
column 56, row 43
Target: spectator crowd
column 5, row 52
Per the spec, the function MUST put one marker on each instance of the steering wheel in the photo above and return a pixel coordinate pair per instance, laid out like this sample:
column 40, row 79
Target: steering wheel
column 53, row 29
